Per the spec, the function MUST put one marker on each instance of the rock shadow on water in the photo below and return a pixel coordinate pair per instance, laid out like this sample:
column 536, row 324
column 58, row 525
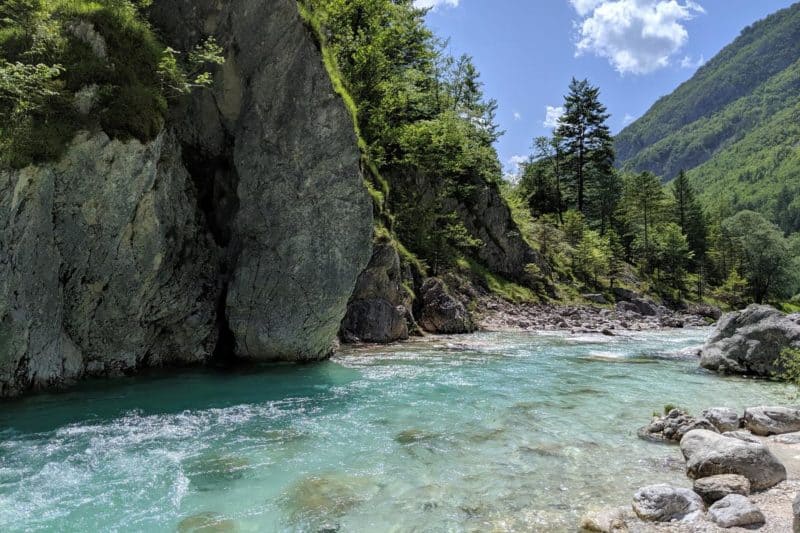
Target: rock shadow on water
column 318, row 502
column 207, row 522
column 212, row 471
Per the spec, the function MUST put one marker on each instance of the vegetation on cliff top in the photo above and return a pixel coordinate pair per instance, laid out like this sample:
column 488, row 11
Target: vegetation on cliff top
column 424, row 122
column 73, row 64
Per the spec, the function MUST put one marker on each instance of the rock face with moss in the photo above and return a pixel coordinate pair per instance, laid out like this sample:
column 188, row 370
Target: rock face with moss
column 240, row 230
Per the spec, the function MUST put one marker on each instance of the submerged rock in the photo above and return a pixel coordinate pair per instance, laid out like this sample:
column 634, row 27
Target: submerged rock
column 709, row 454
column 605, row 521
column 735, row 510
column 319, row 499
column 766, row 421
column 208, row 472
column 714, row 488
column 750, row 341
column 665, row 503
column 207, row 523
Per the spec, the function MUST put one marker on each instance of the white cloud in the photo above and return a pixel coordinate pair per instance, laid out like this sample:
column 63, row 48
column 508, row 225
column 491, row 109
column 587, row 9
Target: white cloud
column 513, row 170
column 636, row 36
column 688, row 62
column 552, row 116
column 627, row 119
column 584, row 7
column 435, row 4
column 517, row 115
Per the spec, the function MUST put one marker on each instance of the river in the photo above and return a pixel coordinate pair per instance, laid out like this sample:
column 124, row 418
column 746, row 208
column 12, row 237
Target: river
column 488, row 432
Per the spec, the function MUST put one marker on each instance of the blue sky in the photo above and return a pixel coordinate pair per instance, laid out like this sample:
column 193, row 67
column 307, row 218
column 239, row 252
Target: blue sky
column 635, row 50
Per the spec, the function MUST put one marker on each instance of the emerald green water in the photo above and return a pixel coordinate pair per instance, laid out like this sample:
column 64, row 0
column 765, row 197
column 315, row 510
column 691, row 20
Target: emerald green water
column 503, row 432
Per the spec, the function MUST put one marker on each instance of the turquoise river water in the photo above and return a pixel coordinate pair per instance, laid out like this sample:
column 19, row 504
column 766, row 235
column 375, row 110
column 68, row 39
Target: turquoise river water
column 491, row 432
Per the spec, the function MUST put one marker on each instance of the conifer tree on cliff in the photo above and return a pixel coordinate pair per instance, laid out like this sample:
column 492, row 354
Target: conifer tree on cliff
column 587, row 142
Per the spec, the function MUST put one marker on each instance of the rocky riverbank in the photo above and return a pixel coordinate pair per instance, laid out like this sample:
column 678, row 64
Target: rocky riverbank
column 745, row 471
column 637, row 315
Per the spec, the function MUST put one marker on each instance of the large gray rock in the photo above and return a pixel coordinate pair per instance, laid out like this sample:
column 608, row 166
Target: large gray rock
column 379, row 308
column 103, row 267
column 665, row 503
column 714, row 488
column 277, row 143
column 735, row 511
column 796, row 513
column 710, row 454
column 441, row 311
column 723, row 418
column 240, row 231
column 772, row 420
column 750, row 341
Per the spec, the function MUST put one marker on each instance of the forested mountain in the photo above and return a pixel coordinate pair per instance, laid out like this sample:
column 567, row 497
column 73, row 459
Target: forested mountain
column 734, row 126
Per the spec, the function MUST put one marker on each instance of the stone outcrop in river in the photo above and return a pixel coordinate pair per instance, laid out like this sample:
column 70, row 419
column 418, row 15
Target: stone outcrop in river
column 239, row 231
column 750, row 341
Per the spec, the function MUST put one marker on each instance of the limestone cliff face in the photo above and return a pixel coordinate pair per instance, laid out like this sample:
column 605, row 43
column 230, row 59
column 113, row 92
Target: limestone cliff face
column 274, row 129
column 240, row 231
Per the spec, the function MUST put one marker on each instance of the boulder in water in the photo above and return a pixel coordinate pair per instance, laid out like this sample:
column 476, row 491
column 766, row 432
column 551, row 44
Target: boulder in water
column 710, row 454
column 665, row 503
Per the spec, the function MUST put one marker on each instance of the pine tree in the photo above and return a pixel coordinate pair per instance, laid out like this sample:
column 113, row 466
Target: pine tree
column 645, row 204
column 587, row 138
column 690, row 217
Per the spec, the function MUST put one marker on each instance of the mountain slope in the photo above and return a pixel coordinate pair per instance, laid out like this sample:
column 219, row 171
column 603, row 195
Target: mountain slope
column 738, row 92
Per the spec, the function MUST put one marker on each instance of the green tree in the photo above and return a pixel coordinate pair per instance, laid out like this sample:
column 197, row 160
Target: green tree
column 591, row 257
column 645, row 205
column 690, row 217
column 616, row 257
column 586, row 137
column 673, row 256
column 762, row 254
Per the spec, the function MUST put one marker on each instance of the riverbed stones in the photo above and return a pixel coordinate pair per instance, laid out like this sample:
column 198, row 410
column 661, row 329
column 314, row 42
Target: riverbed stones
column 709, row 454
column 665, row 503
column 673, row 426
column 750, row 341
column 735, row 510
column 610, row 520
column 766, row 421
column 723, row 418
column 715, row 488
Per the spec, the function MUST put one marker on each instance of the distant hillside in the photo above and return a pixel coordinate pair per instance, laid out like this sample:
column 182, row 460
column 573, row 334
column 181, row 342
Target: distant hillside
column 735, row 125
